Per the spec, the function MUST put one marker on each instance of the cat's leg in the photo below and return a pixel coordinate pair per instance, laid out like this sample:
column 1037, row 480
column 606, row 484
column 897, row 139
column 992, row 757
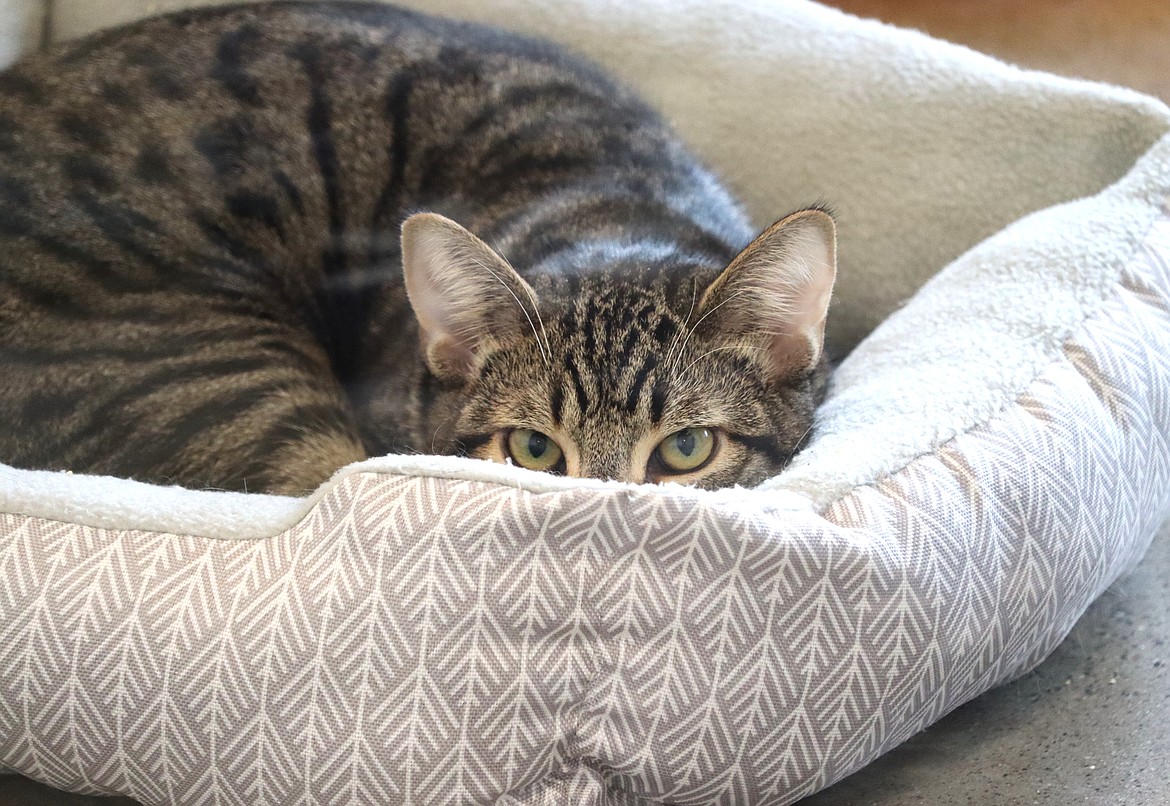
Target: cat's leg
column 180, row 391
column 300, row 467
column 289, row 442
column 284, row 425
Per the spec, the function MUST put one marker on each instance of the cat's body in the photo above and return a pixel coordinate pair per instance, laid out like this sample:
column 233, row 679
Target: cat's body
column 201, row 274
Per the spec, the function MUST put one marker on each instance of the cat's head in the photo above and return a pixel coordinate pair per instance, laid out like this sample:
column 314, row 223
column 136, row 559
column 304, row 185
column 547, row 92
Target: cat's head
column 620, row 378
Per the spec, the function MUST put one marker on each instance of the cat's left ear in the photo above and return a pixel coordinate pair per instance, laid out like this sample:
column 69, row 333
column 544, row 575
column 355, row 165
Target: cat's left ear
column 774, row 296
column 466, row 297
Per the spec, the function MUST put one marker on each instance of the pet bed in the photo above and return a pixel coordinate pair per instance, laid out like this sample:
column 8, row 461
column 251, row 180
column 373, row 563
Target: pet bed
column 994, row 452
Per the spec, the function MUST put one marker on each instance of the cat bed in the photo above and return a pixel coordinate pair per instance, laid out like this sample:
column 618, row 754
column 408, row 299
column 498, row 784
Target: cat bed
column 994, row 452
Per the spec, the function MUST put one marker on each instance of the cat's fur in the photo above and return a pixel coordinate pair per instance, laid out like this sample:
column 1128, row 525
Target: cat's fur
column 201, row 272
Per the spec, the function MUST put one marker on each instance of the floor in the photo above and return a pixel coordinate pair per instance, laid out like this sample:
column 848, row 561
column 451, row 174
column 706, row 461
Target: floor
column 1118, row 41
column 1092, row 724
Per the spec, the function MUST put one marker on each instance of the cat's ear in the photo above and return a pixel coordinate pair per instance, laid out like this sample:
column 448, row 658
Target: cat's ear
column 774, row 296
column 465, row 295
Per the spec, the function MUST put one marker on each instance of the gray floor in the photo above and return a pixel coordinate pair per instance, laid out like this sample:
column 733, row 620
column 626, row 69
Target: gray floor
column 1090, row 726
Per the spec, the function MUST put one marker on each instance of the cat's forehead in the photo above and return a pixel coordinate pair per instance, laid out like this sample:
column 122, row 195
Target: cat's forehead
column 608, row 318
column 616, row 354
column 617, row 298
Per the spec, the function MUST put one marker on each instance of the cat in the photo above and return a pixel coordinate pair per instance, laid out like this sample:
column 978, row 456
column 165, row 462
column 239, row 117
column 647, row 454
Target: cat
column 237, row 252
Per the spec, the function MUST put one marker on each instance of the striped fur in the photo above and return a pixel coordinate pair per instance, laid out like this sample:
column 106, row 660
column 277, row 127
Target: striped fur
column 201, row 272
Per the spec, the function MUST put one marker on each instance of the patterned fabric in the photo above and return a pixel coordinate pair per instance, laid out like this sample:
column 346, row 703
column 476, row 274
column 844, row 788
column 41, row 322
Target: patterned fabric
column 429, row 641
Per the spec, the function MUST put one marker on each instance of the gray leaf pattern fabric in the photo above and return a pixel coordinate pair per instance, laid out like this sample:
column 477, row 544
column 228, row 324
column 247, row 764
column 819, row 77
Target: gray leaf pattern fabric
column 426, row 641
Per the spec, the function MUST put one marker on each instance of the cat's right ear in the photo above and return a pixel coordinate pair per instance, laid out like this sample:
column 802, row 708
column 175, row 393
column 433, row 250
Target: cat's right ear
column 773, row 298
column 466, row 297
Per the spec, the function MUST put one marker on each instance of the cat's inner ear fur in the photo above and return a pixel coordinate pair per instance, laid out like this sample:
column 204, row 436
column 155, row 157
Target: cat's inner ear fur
column 466, row 297
column 771, row 301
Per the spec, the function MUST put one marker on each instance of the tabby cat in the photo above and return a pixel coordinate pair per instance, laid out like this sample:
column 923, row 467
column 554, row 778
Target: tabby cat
column 229, row 258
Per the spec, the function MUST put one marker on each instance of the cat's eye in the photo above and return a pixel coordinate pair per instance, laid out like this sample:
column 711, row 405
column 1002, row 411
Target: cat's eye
column 534, row 450
column 686, row 450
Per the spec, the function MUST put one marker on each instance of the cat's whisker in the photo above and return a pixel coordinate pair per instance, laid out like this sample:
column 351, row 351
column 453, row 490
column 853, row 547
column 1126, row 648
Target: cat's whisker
column 800, row 441
column 547, row 348
column 692, row 330
column 545, row 352
column 737, row 347
column 686, row 323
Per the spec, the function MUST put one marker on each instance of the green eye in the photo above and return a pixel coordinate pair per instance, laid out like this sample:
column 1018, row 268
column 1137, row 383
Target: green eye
column 533, row 450
column 686, row 450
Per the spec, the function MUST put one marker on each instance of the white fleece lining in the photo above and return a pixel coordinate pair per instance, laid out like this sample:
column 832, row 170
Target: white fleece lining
column 104, row 502
column 976, row 335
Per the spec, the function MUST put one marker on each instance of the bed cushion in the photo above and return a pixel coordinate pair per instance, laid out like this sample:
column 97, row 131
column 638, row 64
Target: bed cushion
column 22, row 25
column 993, row 454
